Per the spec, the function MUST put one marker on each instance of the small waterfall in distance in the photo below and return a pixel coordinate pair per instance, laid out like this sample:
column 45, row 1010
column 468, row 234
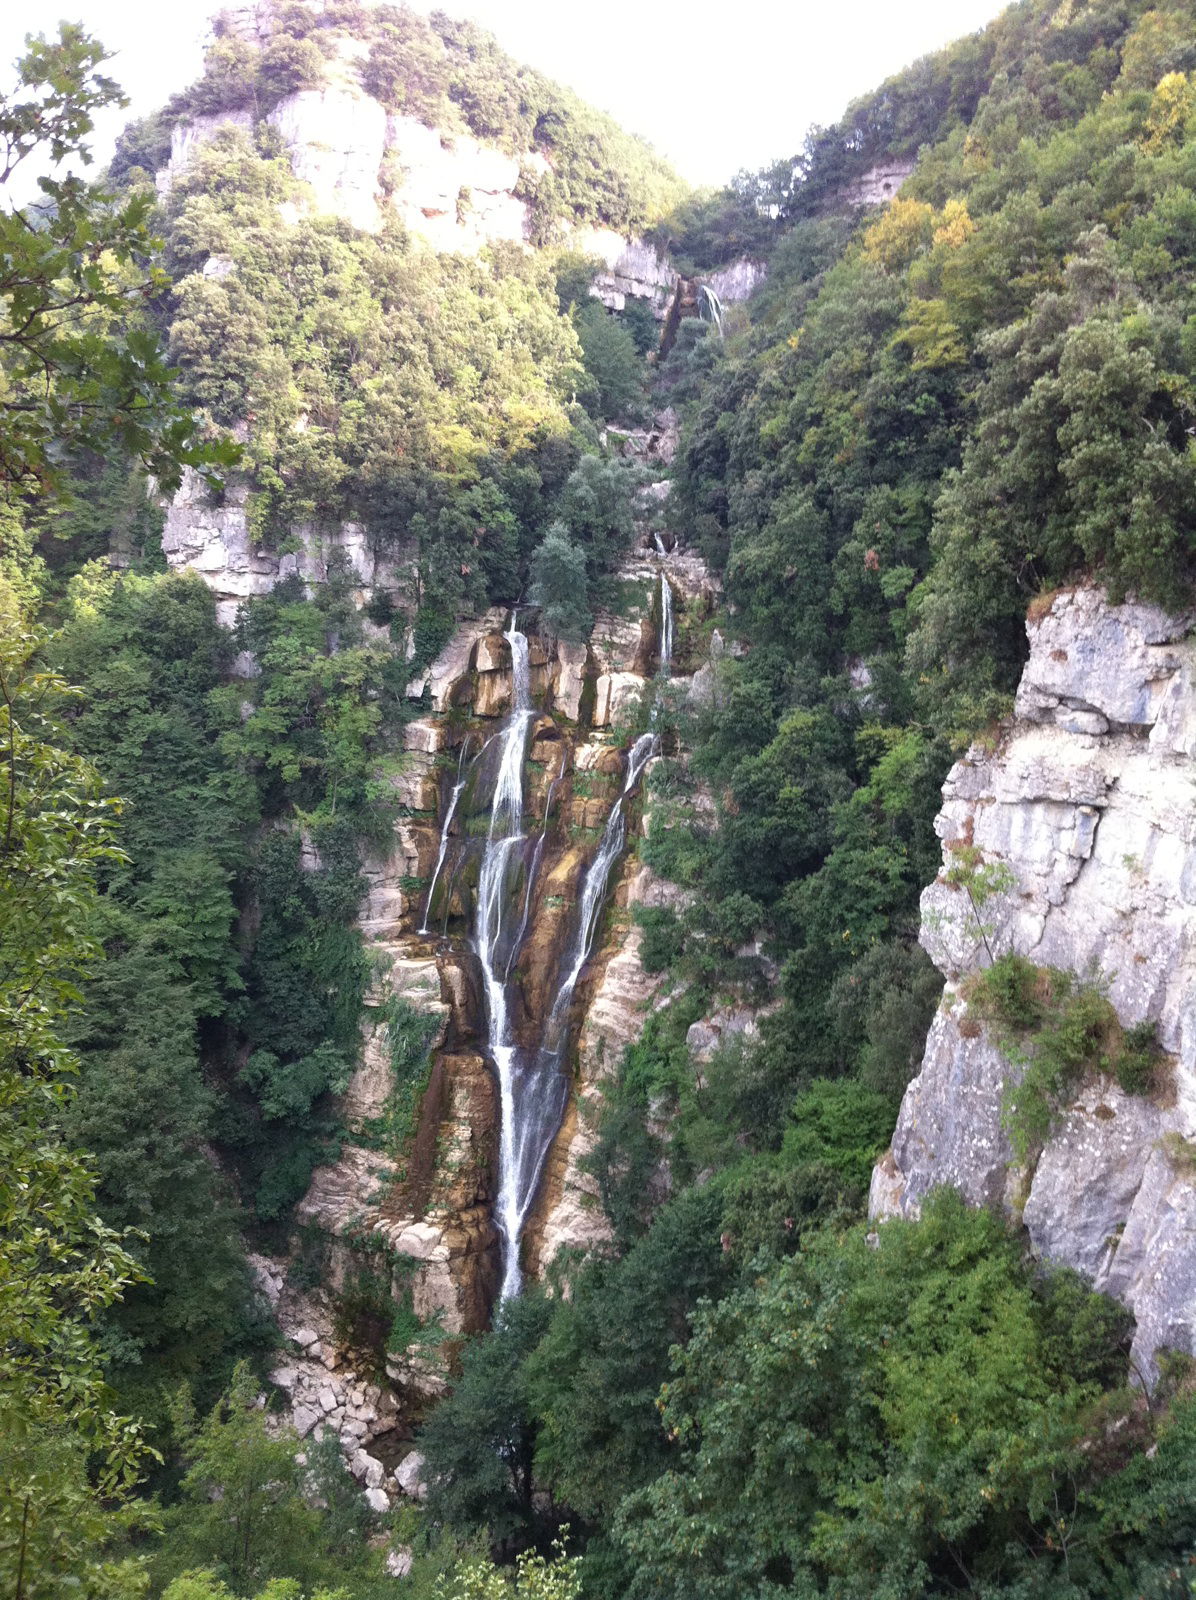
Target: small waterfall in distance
column 666, row 626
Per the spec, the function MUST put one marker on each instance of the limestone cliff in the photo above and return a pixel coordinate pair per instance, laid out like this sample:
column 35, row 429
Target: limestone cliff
column 1088, row 801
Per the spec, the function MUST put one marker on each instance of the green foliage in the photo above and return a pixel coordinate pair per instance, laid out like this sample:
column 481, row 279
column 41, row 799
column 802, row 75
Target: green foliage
column 253, row 1517
column 559, row 586
column 205, row 1585
column 243, row 1514
column 612, row 362
column 925, row 416
column 1056, row 1030
column 57, row 1536
column 478, row 1444
column 409, row 1036
column 535, row 1577
column 595, row 507
column 420, row 395
column 840, row 1124
column 935, row 411
column 867, row 1418
column 65, row 1454
column 880, row 1009
column 79, row 367
column 594, row 1379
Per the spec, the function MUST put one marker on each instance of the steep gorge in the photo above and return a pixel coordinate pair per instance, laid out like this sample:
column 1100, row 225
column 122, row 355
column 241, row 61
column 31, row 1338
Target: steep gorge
column 484, row 917
column 518, row 793
column 527, row 1036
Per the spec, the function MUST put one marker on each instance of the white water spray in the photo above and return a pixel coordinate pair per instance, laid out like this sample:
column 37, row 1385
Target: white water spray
column 593, row 888
column 495, row 947
column 458, row 790
column 666, row 626
column 533, row 1087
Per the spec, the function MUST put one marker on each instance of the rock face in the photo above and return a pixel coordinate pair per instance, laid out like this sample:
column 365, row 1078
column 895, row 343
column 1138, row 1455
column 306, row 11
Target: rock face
column 215, row 541
column 878, row 185
column 631, row 270
column 1089, row 803
column 737, row 281
column 428, row 1198
column 455, row 192
column 335, row 139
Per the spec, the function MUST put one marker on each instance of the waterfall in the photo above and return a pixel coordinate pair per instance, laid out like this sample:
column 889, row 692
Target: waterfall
column 504, row 841
column 532, row 1083
column 458, row 790
column 710, row 308
column 666, row 626
column 538, row 1089
column 658, row 542
column 593, row 888
column 533, row 873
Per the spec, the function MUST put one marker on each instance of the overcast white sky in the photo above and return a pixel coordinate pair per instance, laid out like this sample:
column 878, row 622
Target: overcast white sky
column 715, row 88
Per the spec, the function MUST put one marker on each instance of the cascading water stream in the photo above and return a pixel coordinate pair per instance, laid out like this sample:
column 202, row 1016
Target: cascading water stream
column 533, row 1088
column 458, row 790
column 533, row 872
column 495, row 947
column 666, row 626
column 593, row 888
column 539, row 1088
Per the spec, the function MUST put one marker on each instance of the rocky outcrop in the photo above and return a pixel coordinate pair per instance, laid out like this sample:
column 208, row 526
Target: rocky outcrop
column 1088, row 802
column 655, row 445
column 335, row 139
column 213, row 538
column 877, row 186
column 737, row 281
column 454, row 192
column 420, row 1208
column 630, row 270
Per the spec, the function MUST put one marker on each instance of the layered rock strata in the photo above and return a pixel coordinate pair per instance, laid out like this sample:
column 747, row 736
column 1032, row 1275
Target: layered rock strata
column 1089, row 803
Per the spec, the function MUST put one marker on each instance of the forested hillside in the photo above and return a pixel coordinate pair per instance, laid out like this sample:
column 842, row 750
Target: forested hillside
column 931, row 416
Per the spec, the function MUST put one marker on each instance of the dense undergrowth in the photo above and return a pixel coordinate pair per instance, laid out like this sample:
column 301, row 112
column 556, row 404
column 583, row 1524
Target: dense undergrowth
column 925, row 417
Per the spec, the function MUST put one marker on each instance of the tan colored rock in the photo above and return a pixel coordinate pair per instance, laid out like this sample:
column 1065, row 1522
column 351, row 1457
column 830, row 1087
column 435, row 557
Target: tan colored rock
column 492, row 694
column 568, row 678
column 447, row 680
column 493, row 653
column 615, row 697
column 429, row 736
column 416, row 782
column 624, row 644
column 569, row 1214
